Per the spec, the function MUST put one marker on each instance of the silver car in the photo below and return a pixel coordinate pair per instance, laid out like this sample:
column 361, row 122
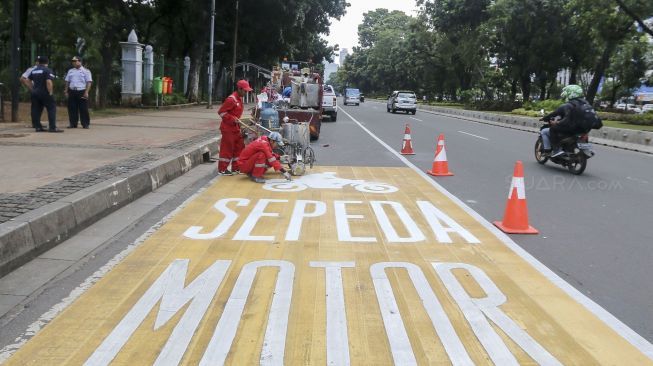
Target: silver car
column 402, row 100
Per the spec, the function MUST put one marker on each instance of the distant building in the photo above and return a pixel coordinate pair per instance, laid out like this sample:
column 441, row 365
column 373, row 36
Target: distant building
column 329, row 68
column 343, row 55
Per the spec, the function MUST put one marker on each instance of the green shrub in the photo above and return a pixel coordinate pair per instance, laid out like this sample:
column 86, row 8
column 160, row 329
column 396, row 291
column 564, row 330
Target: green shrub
column 645, row 119
column 174, row 98
column 548, row 105
column 524, row 112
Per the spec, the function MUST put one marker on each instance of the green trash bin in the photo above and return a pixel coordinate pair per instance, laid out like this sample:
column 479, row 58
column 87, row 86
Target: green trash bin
column 157, row 85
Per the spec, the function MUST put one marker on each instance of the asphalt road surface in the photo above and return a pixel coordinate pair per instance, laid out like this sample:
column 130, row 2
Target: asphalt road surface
column 594, row 228
column 593, row 234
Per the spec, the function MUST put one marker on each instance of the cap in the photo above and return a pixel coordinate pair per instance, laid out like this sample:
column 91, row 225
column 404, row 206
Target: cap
column 276, row 137
column 42, row 59
column 243, row 84
column 75, row 58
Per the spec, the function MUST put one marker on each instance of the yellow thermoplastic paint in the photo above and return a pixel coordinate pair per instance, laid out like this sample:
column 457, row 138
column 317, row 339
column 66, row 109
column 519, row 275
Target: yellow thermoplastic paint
column 361, row 266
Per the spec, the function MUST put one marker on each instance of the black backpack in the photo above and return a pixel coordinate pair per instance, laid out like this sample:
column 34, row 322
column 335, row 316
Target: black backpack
column 584, row 115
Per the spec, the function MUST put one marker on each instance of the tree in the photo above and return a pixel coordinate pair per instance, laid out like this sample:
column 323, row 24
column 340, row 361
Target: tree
column 628, row 66
column 462, row 45
column 608, row 26
column 528, row 39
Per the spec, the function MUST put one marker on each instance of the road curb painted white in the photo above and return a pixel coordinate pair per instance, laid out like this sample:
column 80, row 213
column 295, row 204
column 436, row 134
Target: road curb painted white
column 615, row 324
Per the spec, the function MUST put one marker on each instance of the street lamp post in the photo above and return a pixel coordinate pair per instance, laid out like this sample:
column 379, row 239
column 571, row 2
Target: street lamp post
column 210, row 93
column 233, row 62
column 15, row 60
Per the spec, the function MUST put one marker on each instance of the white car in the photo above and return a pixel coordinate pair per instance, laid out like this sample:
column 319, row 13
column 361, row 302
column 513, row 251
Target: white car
column 647, row 108
column 634, row 108
column 402, row 100
column 329, row 106
column 621, row 106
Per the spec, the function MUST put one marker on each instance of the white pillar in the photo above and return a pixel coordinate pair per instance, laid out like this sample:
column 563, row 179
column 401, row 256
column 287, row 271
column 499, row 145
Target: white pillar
column 148, row 69
column 132, row 70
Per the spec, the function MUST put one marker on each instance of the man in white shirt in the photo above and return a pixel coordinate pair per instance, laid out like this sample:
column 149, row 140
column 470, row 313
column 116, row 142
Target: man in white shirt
column 78, row 83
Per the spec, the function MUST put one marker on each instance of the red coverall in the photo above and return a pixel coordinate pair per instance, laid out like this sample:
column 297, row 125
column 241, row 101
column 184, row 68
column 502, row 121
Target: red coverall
column 258, row 157
column 232, row 141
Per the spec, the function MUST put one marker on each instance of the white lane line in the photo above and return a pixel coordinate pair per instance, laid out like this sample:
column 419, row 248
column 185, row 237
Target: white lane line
column 471, row 134
column 416, row 119
column 617, row 325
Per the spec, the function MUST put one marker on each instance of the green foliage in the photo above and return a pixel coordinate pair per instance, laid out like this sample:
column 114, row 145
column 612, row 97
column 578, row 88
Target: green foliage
column 548, row 105
column 526, row 112
column 644, row 119
column 174, row 98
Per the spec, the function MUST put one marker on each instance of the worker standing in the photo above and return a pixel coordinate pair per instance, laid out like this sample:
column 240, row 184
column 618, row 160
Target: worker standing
column 258, row 156
column 232, row 142
column 78, row 84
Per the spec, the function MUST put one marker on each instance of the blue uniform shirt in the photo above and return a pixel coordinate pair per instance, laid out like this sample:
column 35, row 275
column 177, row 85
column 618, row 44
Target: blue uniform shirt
column 39, row 75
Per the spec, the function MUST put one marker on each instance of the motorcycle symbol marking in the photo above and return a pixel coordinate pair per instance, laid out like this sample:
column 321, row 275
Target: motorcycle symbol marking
column 327, row 180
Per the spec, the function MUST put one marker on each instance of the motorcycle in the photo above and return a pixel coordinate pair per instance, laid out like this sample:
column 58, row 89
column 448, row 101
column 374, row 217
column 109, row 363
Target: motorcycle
column 577, row 150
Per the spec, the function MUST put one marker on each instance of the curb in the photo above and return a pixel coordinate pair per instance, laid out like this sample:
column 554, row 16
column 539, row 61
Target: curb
column 622, row 138
column 31, row 234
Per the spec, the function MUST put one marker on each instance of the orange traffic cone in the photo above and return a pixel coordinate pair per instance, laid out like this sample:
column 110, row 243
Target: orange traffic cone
column 407, row 146
column 440, row 165
column 515, row 219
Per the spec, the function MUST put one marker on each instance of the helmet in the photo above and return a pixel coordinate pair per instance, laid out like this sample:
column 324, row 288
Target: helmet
column 276, row 137
column 570, row 92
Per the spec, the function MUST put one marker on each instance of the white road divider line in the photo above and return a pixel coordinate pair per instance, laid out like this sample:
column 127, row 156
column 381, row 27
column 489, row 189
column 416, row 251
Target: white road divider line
column 416, row 119
column 617, row 325
column 477, row 136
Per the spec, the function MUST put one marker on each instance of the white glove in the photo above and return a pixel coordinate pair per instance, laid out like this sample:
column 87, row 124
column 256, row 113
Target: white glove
column 287, row 176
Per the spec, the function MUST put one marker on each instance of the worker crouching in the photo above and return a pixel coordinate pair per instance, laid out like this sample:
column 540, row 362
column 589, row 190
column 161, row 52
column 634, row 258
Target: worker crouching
column 258, row 157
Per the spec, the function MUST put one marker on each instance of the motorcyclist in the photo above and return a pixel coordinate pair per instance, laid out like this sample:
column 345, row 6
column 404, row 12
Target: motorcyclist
column 566, row 125
column 258, row 157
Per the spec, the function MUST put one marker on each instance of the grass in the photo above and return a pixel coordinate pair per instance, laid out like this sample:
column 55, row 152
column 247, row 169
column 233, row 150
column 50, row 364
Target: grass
column 621, row 124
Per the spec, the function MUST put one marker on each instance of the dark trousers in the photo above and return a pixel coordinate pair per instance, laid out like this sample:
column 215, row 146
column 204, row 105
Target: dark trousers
column 78, row 108
column 40, row 100
column 559, row 133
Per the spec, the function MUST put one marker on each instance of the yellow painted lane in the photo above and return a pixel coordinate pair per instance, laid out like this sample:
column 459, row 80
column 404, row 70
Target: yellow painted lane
column 362, row 266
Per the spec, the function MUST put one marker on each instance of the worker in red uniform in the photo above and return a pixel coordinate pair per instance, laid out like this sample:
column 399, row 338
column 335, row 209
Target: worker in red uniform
column 232, row 142
column 258, row 157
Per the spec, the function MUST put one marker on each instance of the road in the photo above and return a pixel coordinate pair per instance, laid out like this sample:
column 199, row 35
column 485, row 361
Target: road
column 367, row 260
column 593, row 227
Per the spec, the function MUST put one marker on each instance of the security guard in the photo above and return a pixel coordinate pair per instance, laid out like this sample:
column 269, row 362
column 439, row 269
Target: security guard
column 42, row 89
column 78, row 83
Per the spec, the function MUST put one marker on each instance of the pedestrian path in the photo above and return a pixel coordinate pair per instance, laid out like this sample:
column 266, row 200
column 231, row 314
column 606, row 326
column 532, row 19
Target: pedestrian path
column 53, row 185
column 347, row 265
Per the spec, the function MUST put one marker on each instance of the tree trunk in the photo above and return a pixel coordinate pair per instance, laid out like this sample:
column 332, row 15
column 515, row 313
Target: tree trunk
column 599, row 70
column 526, row 87
column 613, row 95
column 543, row 88
column 548, row 92
column 196, row 62
column 513, row 90
column 104, row 81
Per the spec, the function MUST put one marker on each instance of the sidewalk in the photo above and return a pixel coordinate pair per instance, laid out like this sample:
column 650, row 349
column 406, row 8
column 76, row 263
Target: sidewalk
column 53, row 185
